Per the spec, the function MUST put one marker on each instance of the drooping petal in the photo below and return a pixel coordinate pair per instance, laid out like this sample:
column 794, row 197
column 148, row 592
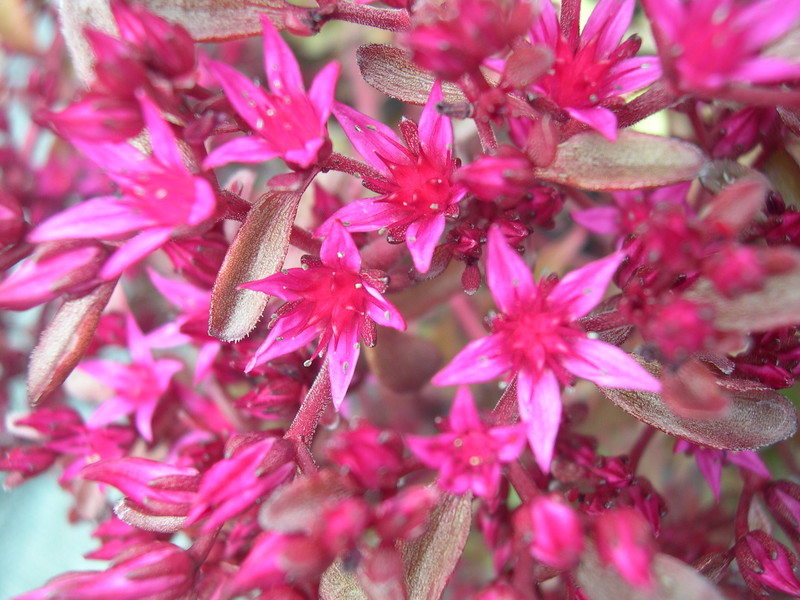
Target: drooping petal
column 608, row 366
column 134, row 250
column 280, row 65
column 583, row 289
column 480, row 360
column 343, row 353
column 99, row 218
column 508, row 277
column 339, row 251
column 597, row 117
column 370, row 138
column 540, row 409
column 422, row 236
column 321, row 92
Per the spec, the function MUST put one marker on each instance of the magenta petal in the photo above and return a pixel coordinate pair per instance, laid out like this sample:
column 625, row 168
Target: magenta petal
column 608, row 366
column 545, row 29
column 583, row 289
column 607, row 23
column 370, row 138
column 162, row 139
column 144, row 420
column 632, row 74
column 362, row 215
column 599, row 118
column 540, row 409
column 248, row 99
column 435, row 130
column 280, row 65
column 421, row 237
column 140, row 352
column 102, row 218
column 247, row 149
column 133, row 250
column 339, row 251
column 464, row 416
column 600, row 219
column 108, row 412
column 508, row 277
column 343, row 353
column 284, row 338
column 383, row 312
column 204, row 203
column 481, row 360
column 321, row 92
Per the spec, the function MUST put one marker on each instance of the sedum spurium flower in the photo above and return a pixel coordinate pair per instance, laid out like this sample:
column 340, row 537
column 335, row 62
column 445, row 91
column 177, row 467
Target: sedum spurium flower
column 160, row 198
column 592, row 70
column 288, row 122
column 415, row 187
column 712, row 46
column 468, row 454
column 536, row 338
column 329, row 299
column 137, row 387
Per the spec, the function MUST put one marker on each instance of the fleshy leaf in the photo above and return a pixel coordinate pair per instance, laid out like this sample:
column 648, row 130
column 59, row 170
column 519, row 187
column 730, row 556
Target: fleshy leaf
column 757, row 416
column 138, row 515
column 776, row 304
column 674, row 580
column 635, row 160
column 337, row 583
column 387, row 69
column 257, row 252
column 430, row 559
column 65, row 340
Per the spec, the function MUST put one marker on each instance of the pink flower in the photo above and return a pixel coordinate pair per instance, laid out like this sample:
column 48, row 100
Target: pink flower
column 766, row 563
column 710, row 461
column 625, row 540
column 711, row 46
column 137, row 387
column 537, row 339
column 160, row 198
column 288, row 122
column 468, row 454
column 592, row 70
column 415, row 183
column 330, row 299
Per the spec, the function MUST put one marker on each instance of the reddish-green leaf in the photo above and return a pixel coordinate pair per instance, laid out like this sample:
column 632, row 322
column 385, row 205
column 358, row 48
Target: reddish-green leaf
column 388, row 70
column 756, row 416
column 340, row 584
column 64, row 341
column 258, row 251
column 635, row 160
column 430, row 559
column 141, row 517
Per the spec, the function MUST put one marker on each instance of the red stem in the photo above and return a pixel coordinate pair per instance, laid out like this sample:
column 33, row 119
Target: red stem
column 301, row 431
column 640, row 446
column 351, row 166
column 302, row 239
column 389, row 19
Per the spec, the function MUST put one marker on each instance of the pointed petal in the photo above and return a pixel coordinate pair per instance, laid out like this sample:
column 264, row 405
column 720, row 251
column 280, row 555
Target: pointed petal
column 598, row 118
column 321, row 92
column 247, row 149
column 184, row 295
column 140, row 351
column 280, row 65
column 464, row 416
column 108, row 412
column 144, row 419
column 285, row 337
column 607, row 23
column 338, row 250
column 102, row 218
column 630, row 75
column 383, row 312
column 435, row 130
column 709, row 461
column 362, row 215
column 422, row 236
column 114, row 375
column 134, row 250
column 545, row 29
column 370, row 138
column 583, row 289
column 249, row 100
column 204, row 203
column 205, row 360
column 540, row 409
column 343, row 353
column 599, row 219
column 162, row 139
column 608, row 366
column 480, row 360
column 508, row 277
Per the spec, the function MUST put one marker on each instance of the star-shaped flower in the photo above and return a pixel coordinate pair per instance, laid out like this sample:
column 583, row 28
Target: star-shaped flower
column 536, row 339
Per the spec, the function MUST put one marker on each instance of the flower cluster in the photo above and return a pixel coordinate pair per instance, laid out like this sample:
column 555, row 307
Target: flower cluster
column 364, row 329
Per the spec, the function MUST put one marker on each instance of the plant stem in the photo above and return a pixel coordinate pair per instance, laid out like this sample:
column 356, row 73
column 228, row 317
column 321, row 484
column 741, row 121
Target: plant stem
column 301, row 431
column 389, row 19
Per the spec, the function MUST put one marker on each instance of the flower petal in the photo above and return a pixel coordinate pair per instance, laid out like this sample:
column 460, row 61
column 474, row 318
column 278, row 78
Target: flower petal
column 583, row 289
column 280, row 65
column 508, row 277
column 339, row 251
column 370, row 138
column 134, row 250
column 481, row 360
column 540, row 409
column 321, row 92
column 162, row 139
column 598, row 118
column 607, row 23
column 248, row 149
column 608, row 366
column 464, row 416
column 422, row 236
column 102, row 218
column 435, row 130
column 343, row 353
